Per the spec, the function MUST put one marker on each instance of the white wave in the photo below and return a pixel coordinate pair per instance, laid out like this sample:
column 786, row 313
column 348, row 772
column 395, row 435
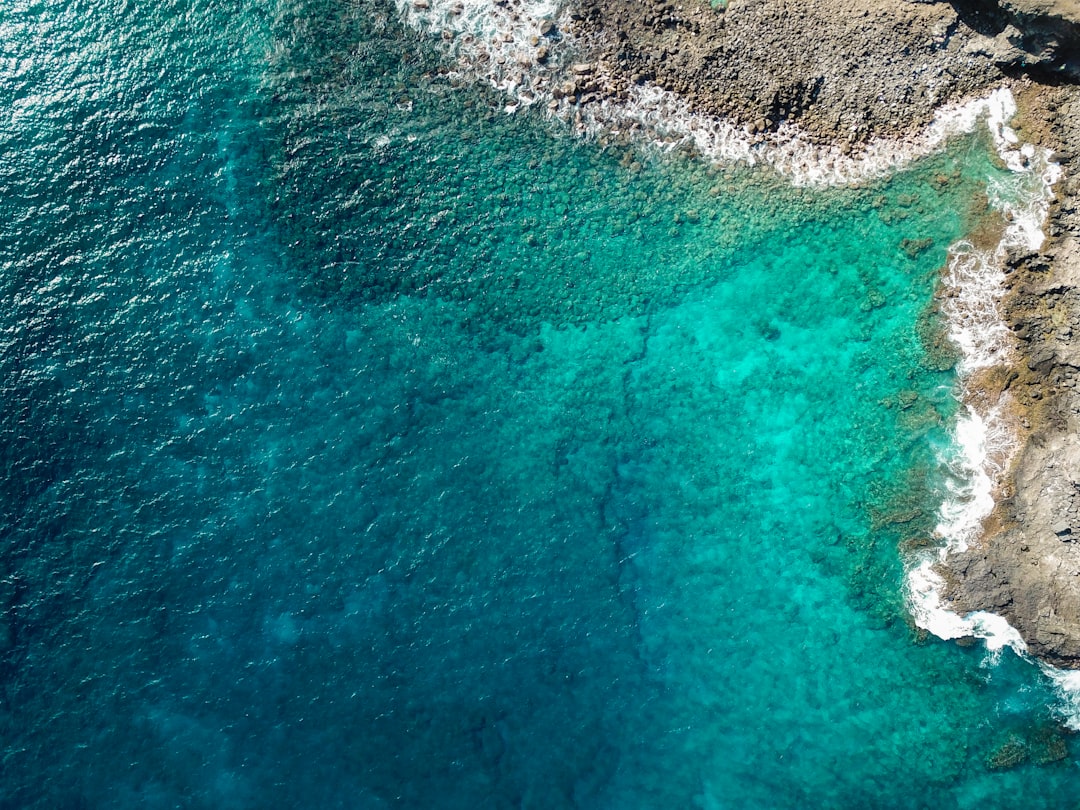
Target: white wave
column 668, row 119
column 982, row 443
column 494, row 42
column 973, row 286
column 1067, row 685
column 983, row 448
column 926, row 585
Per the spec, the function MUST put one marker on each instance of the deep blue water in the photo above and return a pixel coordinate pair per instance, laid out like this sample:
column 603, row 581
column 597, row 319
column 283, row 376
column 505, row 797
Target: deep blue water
column 366, row 448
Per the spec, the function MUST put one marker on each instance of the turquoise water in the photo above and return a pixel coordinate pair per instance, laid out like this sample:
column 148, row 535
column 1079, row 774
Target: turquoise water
column 368, row 449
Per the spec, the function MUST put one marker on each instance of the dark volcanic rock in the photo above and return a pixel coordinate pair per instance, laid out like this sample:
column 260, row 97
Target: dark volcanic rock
column 1041, row 34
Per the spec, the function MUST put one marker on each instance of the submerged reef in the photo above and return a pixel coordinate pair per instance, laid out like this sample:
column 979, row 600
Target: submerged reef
column 858, row 70
column 835, row 92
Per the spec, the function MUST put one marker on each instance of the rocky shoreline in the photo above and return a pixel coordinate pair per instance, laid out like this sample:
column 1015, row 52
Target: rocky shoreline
column 835, row 85
column 1027, row 568
column 844, row 77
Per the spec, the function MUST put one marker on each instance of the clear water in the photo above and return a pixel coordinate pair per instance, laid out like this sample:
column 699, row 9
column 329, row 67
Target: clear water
column 367, row 449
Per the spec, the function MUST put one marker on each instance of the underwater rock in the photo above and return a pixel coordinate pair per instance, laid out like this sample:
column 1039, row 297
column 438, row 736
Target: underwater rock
column 913, row 248
column 1009, row 754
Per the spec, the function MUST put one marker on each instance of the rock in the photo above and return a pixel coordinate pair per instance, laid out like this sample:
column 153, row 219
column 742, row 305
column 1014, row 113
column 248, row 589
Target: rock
column 913, row 248
column 1049, row 746
column 547, row 28
column 1001, row 49
column 421, row 5
column 1043, row 33
column 726, row 64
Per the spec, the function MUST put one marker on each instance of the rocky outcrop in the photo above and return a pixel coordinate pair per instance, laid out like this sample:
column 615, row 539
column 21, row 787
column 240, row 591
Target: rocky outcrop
column 1041, row 35
column 882, row 69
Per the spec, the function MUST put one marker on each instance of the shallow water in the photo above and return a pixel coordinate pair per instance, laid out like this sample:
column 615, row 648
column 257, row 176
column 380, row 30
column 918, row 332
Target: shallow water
column 366, row 448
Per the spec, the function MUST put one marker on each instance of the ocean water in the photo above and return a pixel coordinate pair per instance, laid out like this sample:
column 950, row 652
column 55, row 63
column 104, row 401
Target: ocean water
column 367, row 447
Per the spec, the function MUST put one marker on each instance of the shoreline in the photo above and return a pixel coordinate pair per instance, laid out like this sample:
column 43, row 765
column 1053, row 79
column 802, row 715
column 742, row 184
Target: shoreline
column 992, row 431
column 1027, row 565
column 835, row 112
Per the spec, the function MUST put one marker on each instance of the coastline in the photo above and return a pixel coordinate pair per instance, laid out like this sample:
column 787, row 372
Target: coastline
column 1026, row 566
column 707, row 79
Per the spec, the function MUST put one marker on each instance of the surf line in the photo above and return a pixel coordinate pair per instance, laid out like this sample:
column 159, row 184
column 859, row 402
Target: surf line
column 985, row 442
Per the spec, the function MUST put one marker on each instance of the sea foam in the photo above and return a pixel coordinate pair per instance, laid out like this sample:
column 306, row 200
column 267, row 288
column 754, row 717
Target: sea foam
column 492, row 42
column 669, row 121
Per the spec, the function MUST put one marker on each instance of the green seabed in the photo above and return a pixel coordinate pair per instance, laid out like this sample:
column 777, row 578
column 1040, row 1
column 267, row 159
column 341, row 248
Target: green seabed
column 405, row 454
